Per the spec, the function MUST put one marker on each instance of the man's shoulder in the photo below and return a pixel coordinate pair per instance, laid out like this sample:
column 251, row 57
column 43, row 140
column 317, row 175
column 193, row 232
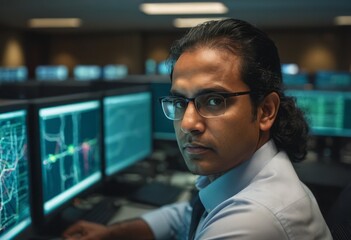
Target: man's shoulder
column 250, row 217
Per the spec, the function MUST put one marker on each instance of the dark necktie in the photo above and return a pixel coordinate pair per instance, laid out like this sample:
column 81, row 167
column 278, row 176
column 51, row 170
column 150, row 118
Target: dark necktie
column 196, row 214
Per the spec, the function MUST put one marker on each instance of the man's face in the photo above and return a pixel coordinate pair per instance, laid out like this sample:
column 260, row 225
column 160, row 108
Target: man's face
column 212, row 146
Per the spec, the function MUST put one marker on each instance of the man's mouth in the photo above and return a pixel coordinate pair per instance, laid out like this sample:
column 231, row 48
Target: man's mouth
column 194, row 148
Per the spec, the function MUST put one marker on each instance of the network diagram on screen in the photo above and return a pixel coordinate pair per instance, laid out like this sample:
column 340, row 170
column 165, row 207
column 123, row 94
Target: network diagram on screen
column 14, row 187
column 69, row 149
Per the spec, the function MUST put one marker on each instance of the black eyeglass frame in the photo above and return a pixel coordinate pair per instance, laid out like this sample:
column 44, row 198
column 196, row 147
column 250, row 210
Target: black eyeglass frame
column 225, row 95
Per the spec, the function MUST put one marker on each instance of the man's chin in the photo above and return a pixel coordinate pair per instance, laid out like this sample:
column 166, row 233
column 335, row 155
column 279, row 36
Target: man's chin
column 197, row 169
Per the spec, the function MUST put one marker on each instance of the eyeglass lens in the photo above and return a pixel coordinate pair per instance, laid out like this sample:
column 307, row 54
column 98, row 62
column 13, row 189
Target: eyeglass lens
column 207, row 105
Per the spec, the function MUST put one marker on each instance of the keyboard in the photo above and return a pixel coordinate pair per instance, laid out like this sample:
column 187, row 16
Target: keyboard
column 102, row 212
column 97, row 211
column 156, row 194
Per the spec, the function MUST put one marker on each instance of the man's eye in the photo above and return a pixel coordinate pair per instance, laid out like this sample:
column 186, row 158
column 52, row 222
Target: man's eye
column 179, row 103
column 214, row 101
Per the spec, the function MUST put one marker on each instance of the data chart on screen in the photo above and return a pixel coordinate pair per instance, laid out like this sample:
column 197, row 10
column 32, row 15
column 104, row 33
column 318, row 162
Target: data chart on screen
column 14, row 174
column 328, row 112
column 70, row 150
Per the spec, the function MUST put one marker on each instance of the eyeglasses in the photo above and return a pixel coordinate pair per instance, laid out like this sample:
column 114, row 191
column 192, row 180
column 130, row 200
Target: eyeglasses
column 208, row 105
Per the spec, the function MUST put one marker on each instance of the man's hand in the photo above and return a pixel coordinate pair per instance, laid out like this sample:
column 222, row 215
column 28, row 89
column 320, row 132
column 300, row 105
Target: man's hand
column 83, row 230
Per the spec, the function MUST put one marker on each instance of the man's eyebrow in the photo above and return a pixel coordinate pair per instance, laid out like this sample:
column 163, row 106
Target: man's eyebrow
column 177, row 94
column 200, row 92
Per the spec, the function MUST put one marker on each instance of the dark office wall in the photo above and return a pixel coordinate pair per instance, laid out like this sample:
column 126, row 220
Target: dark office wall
column 315, row 49
column 312, row 49
column 99, row 49
column 131, row 49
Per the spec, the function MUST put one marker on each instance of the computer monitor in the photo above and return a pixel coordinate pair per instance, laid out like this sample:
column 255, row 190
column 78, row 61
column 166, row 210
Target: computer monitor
column 163, row 127
column 296, row 81
column 150, row 66
column 290, row 68
column 332, row 80
column 127, row 127
column 163, row 68
column 114, row 71
column 13, row 74
column 87, row 72
column 328, row 112
column 67, row 151
column 51, row 73
column 15, row 215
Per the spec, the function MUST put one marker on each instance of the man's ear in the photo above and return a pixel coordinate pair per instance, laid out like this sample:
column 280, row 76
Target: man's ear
column 268, row 110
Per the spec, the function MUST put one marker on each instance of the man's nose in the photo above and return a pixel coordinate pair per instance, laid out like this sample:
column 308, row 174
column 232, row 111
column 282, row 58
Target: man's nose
column 192, row 121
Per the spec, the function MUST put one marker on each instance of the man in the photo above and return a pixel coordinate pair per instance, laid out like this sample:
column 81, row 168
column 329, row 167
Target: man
column 239, row 132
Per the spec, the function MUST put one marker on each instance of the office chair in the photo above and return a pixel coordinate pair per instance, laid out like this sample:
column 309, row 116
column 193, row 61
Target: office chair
column 339, row 218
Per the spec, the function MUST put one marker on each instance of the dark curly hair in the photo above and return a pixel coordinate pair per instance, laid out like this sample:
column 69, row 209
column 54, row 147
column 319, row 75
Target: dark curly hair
column 260, row 70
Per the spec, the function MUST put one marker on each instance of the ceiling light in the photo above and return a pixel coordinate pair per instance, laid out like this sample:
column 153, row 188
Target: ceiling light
column 54, row 22
column 191, row 22
column 343, row 20
column 184, row 8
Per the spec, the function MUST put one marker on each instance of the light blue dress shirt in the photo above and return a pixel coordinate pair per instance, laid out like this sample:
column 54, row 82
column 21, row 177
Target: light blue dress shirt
column 261, row 198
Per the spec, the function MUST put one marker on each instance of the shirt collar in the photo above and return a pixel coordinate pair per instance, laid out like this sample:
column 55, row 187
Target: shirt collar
column 236, row 179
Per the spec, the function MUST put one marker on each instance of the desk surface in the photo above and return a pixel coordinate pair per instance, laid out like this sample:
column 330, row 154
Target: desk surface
column 130, row 209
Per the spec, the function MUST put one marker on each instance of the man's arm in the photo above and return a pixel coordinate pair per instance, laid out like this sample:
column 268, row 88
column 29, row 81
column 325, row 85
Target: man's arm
column 131, row 229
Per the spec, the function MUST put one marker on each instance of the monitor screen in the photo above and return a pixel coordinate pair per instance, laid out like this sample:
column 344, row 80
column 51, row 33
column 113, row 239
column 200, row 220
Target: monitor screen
column 290, row 68
column 150, row 66
column 113, row 72
column 13, row 74
column 14, row 173
column 51, row 73
column 328, row 112
column 332, row 80
column 295, row 81
column 127, row 129
column 163, row 127
column 163, row 68
column 69, row 149
column 87, row 72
